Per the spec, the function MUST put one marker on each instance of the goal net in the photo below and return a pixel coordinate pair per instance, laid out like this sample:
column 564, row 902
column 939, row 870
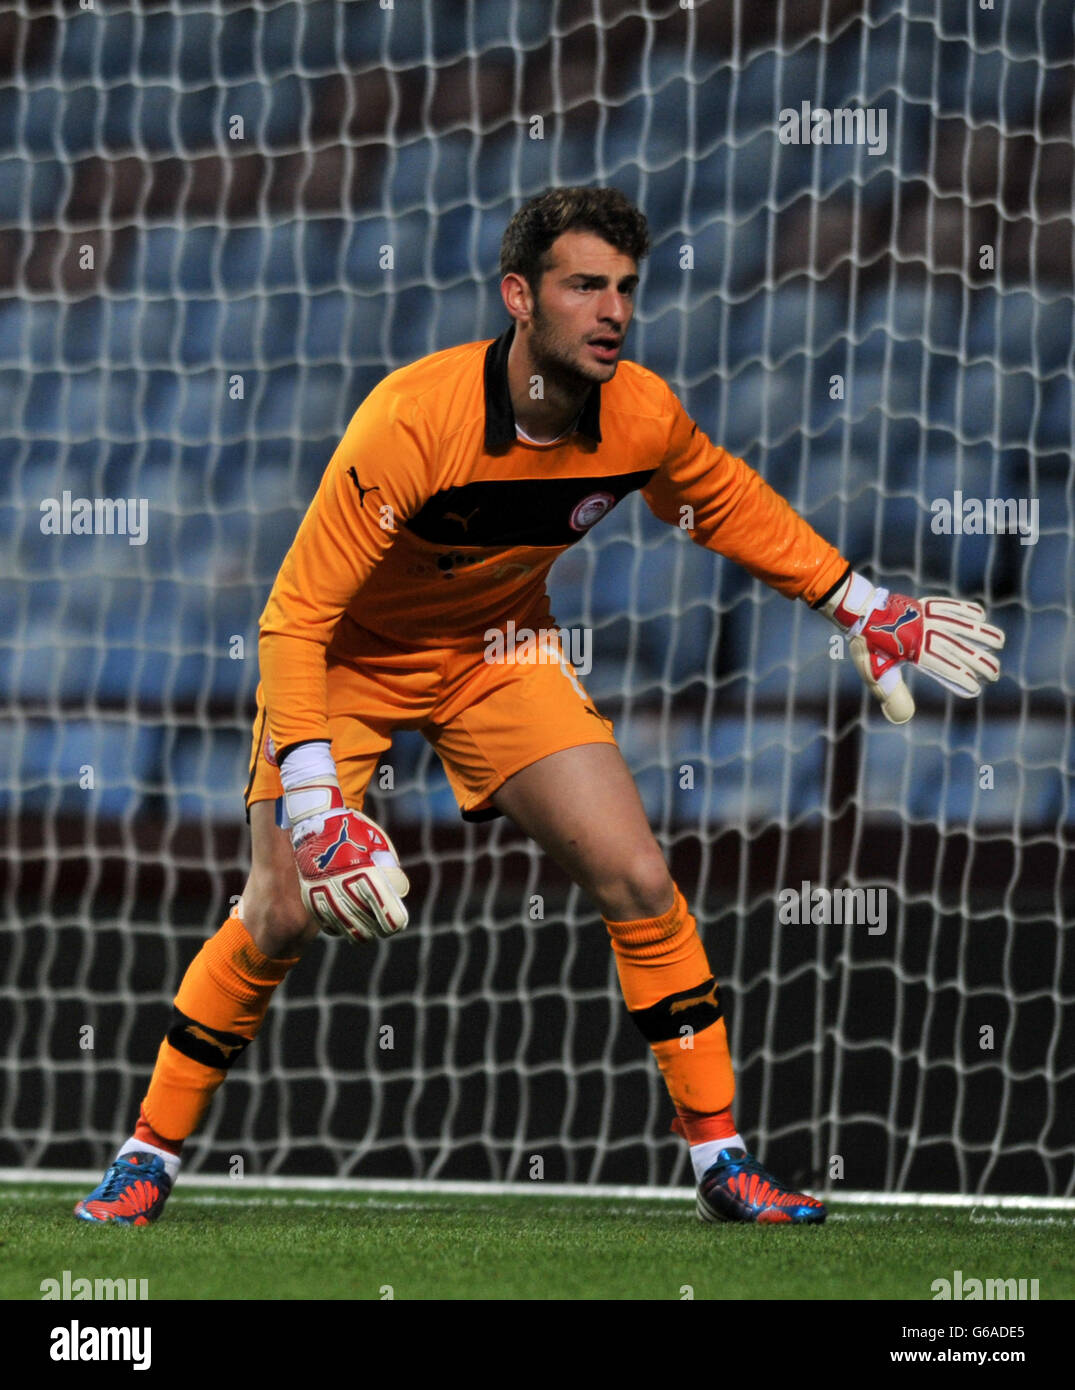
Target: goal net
column 220, row 226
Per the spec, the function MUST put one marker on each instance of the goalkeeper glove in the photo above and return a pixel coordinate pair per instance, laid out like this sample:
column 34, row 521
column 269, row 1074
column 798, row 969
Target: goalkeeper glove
column 945, row 637
column 349, row 873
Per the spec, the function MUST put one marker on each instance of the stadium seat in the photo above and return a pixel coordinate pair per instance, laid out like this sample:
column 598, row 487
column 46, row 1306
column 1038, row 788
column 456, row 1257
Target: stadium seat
column 988, row 86
column 321, row 252
column 420, row 794
column 1029, row 774
column 32, row 332
column 762, row 405
column 788, row 649
column 405, row 330
column 408, row 174
column 759, row 771
column 1039, row 651
column 1018, row 329
column 362, row 253
column 41, row 125
column 1053, row 426
column 903, row 769
column 122, row 111
column 982, row 403
column 1048, row 567
column 963, row 561
column 282, row 127
column 83, row 57
column 931, row 313
column 50, row 760
column 32, row 190
column 324, row 326
column 792, row 318
column 203, row 772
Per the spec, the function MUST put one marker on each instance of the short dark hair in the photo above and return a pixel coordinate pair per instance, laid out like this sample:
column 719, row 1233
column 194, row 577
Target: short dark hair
column 604, row 211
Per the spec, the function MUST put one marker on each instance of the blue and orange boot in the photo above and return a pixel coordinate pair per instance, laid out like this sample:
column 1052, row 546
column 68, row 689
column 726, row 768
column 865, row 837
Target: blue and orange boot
column 132, row 1193
column 737, row 1188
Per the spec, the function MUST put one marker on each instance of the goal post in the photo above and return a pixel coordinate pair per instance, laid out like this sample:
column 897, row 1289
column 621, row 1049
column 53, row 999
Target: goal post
column 220, row 226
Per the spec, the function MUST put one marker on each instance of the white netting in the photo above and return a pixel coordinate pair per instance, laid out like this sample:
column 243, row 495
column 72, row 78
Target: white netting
column 194, row 202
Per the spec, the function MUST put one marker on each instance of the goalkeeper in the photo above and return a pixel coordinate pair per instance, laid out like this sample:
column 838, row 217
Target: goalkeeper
column 457, row 484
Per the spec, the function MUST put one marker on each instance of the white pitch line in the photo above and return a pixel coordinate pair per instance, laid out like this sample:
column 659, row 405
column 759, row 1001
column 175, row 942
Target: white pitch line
column 650, row 1211
column 89, row 1178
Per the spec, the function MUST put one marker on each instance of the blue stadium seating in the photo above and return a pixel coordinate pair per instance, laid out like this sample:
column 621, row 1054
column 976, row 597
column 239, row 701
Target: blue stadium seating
column 29, row 334
column 982, row 403
column 32, row 190
column 48, row 761
column 1055, row 424
column 1039, row 650
column 769, row 81
column 793, row 318
column 987, row 86
column 964, row 561
column 409, row 173
column 203, row 772
column 932, row 770
column 1020, row 329
column 924, row 312
column 787, row 649
column 324, row 327
column 420, row 793
column 945, row 388
column 85, row 52
column 362, row 254
column 763, row 769
column 1048, row 568
column 482, row 27
column 322, row 244
column 282, row 127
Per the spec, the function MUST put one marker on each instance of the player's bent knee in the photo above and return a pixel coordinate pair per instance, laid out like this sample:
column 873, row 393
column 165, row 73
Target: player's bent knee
column 642, row 889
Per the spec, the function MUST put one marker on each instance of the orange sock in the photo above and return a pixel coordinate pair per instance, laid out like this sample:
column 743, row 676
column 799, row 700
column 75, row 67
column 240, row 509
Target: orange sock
column 146, row 1134
column 674, row 1000
column 219, row 1008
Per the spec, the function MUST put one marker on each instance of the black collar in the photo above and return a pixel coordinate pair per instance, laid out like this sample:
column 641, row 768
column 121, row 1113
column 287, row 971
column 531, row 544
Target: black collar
column 499, row 415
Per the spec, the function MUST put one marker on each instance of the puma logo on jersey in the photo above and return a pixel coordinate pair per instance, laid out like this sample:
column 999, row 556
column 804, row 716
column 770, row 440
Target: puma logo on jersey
column 681, row 1004
column 893, row 628
column 464, row 521
column 197, row 1031
column 352, row 473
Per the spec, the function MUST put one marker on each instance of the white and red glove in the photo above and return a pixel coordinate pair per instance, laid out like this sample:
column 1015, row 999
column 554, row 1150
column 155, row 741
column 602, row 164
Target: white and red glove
column 945, row 637
column 349, row 872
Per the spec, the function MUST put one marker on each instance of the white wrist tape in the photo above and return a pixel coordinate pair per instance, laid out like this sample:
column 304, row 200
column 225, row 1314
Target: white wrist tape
column 307, row 763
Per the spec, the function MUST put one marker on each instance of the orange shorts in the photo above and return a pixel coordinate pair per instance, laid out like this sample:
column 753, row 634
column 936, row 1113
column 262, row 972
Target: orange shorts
column 486, row 719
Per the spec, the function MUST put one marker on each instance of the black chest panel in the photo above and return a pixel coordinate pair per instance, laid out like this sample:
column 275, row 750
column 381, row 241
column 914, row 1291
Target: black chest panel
column 522, row 511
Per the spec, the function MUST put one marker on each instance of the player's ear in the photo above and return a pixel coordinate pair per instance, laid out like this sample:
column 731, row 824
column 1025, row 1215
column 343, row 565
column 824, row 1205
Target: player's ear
column 517, row 296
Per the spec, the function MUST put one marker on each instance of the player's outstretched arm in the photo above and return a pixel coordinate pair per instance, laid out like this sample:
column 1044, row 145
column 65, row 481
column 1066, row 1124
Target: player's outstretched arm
column 946, row 638
column 349, row 872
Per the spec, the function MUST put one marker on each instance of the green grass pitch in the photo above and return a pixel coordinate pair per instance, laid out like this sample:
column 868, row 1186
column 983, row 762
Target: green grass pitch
column 221, row 1244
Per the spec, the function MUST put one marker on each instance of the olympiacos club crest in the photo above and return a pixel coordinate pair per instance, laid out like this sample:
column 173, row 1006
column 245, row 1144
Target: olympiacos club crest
column 590, row 510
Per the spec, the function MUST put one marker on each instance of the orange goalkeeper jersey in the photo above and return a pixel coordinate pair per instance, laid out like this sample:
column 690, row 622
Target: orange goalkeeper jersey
column 434, row 522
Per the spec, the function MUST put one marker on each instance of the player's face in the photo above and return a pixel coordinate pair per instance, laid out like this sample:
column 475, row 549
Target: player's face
column 584, row 304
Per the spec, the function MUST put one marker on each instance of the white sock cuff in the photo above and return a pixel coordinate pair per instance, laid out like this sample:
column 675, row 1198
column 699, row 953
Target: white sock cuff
column 703, row 1156
column 139, row 1146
